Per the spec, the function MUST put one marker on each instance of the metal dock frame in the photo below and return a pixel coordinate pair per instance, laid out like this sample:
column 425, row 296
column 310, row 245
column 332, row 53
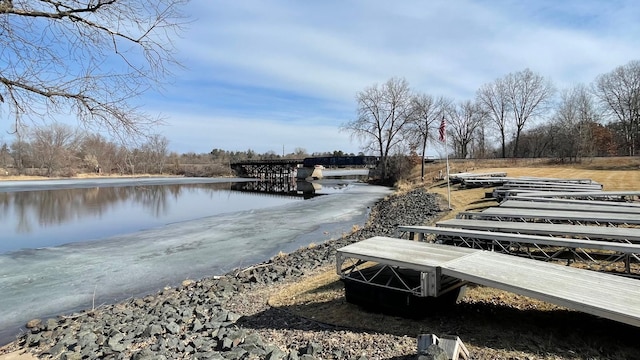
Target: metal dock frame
column 352, row 260
column 600, row 294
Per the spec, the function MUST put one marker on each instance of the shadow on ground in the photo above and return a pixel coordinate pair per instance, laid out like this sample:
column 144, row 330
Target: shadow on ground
column 483, row 327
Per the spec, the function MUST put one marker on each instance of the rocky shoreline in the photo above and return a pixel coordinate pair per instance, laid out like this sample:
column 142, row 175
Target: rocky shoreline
column 227, row 317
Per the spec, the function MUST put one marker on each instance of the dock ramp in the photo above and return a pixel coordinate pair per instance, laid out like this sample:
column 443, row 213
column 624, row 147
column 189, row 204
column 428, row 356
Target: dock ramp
column 604, row 295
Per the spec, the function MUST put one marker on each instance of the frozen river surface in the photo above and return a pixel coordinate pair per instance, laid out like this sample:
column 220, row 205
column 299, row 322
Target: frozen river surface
column 112, row 242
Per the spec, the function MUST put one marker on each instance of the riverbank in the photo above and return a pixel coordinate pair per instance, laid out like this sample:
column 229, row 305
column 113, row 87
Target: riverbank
column 228, row 316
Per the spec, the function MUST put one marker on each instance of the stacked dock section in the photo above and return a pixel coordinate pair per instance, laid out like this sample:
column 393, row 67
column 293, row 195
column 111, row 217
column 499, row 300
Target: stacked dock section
column 565, row 241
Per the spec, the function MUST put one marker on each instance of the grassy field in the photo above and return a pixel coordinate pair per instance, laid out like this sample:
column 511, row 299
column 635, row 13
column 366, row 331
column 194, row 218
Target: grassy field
column 494, row 324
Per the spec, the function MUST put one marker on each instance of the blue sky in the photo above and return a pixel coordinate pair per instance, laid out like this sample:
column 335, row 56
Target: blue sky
column 266, row 74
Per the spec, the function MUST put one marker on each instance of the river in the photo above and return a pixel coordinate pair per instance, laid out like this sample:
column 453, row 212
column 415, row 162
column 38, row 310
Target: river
column 67, row 245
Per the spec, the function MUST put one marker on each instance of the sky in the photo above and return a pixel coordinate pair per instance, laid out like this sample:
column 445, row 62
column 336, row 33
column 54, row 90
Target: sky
column 276, row 75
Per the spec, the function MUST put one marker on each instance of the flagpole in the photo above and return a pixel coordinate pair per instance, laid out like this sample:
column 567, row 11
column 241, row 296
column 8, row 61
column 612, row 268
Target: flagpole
column 448, row 183
column 444, row 137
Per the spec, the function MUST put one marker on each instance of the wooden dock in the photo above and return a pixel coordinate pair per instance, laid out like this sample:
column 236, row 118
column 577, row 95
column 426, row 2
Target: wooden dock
column 551, row 216
column 604, row 295
column 586, row 206
column 600, row 255
column 603, row 233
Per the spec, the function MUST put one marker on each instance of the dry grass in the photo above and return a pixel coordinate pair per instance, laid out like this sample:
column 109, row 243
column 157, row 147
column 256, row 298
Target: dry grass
column 494, row 324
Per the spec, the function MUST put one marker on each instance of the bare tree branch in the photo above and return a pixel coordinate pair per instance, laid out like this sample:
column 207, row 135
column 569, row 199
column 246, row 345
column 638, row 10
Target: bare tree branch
column 92, row 58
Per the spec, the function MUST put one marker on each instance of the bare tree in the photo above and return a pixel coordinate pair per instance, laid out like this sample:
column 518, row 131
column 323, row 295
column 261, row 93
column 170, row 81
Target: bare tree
column 5, row 156
column 529, row 95
column 493, row 99
column 98, row 153
column 384, row 113
column 573, row 121
column 85, row 57
column 464, row 120
column 619, row 95
column 157, row 149
column 427, row 113
column 54, row 146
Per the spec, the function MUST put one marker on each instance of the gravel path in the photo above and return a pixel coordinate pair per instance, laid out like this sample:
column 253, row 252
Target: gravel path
column 227, row 317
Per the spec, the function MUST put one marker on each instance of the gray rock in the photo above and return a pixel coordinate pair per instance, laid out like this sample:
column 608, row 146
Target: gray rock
column 312, row 348
column 253, row 339
column 254, row 350
column 51, row 324
column 197, row 325
column 152, row 330
column 307, row 357
column 70, row 355
column 33, row 339
column 433, row 352
column 276, row 354
column 144, row 354
column 172, row 328
column 235, row 353
column 293, row 355
column 211, row 355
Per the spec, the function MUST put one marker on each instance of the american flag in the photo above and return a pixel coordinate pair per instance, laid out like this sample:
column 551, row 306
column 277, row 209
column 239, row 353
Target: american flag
column 443, row 130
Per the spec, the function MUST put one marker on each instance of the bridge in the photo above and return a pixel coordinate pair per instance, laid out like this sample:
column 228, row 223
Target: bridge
column 306, row 168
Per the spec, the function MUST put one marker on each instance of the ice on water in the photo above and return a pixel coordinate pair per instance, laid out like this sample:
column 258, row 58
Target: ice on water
column 44, row 282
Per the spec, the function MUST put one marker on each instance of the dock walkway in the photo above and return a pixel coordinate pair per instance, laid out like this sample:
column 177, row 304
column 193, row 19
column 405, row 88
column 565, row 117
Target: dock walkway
column 604, row 295
column 603, row 233
column 519, row 204
column 553, row 216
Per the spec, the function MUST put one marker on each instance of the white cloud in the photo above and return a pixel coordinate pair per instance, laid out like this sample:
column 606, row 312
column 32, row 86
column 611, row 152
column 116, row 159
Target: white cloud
column 201, row 134
column 258, row 73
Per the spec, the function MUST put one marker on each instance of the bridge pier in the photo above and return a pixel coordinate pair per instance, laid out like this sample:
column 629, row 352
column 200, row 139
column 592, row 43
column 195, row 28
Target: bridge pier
column 304, row 172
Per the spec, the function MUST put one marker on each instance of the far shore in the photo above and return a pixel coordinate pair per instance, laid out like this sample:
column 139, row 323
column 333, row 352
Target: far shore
column 80, row 176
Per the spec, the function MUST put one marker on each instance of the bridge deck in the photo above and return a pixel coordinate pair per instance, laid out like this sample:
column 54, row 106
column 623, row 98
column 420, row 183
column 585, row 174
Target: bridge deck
column 603, row 295
column 631, row 235
column 570, row 207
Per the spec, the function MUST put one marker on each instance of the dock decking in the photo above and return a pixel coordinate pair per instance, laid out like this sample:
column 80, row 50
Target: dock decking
column 552, row 216
column 519, row 204
column 603, row 295
column 605, row 233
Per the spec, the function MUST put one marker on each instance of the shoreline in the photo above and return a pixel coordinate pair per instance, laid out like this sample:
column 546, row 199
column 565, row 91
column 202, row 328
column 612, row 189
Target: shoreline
column 180, row 322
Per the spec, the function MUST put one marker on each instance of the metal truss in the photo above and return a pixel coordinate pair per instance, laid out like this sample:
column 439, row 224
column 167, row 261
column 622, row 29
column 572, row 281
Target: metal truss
column 421, row 284
column 599, row 260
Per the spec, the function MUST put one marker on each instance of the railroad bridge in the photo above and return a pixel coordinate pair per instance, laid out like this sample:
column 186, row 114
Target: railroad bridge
column 306, row 168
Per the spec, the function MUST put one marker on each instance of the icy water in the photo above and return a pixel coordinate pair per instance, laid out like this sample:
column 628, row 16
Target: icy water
column 70, row 245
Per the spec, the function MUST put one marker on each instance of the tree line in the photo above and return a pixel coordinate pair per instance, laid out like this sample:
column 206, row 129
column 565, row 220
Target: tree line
column 60, row 150
column 521, row 114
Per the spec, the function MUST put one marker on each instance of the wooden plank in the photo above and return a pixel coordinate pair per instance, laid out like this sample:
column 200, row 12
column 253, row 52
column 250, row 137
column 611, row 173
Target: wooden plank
column 403, row 253
column 535, row 180
column 574, row 201
column 591, row 232
column 526, row 239
column 608, row 296
column 562, row 215
column 569, row 207
column 585, row 194
column 553, row 186
column 604, row 295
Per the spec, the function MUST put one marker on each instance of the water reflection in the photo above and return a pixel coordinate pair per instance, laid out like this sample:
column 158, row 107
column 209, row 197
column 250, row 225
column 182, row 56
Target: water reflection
column 281, row 187
column 46, row 218
column 53, row 207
